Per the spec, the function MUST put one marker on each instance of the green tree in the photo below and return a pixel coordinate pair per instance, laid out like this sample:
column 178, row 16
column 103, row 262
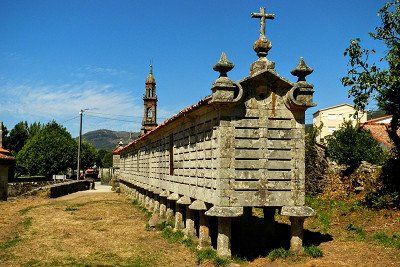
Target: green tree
column 107, row 160
column 367, row 81
column 5, row 136
column 34, row 129
column 88, row 155
column 350, row 145
column 49, row 152
column 18, row 136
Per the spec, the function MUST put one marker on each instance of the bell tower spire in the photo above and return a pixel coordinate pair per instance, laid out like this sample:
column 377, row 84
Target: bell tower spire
column 149, row 121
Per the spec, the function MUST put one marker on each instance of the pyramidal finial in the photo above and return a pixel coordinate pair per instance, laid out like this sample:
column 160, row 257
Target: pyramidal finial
column 223, row 66
column 301, row 70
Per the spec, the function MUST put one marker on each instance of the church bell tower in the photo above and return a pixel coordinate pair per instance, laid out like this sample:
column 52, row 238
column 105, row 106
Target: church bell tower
column 150, row 104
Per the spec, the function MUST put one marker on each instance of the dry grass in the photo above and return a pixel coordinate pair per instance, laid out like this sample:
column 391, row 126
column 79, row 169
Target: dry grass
column 97, row 229
column 106, row 229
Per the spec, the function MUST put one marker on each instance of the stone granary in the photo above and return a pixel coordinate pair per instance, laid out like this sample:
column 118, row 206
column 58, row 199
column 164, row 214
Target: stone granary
column 239, row 148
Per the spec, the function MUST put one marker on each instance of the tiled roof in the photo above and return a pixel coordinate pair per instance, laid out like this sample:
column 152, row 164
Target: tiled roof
column 181, row 113
column 379, row 130
column 6, row 155
column 378, row 120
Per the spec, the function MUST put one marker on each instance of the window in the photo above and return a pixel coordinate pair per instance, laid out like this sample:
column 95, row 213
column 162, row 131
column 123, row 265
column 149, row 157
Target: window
column 149, row 113
column 171, row 154
column 340, row 117
column 331, row 117
column 331, row 129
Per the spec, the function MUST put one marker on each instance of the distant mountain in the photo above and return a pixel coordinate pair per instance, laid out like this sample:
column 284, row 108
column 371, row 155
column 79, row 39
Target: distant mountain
column 107, row 139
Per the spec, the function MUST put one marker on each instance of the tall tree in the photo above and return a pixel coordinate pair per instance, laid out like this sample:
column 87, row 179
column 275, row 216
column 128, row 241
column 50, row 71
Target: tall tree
column 5, row 136
column 18, row 136
column 49, row 152
column 366, row 80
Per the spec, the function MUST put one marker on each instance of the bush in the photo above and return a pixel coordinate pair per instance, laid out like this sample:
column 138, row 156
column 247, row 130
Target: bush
column 279, row 253
column 388, row 194
column 313, row 251
column 350, row 145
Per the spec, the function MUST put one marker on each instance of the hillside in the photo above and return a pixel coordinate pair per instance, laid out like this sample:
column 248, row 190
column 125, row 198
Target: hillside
column 107, row 139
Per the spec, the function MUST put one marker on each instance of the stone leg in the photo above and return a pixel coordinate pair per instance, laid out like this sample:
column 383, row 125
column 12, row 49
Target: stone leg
column 247, row 212
column 179, row 225
column 170, row 211
column 155, row 217
column 163, row 209
column 296, row 240
column 204, row 232
column 146, row 200
column 190, row 229
column 224, row 237
column 269, row 215
column 141, row 197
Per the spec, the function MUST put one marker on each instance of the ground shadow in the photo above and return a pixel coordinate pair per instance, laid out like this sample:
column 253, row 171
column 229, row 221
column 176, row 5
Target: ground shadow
column 254, row 237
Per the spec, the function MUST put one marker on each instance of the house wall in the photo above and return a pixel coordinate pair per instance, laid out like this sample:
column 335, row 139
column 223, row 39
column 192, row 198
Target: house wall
column 333, row 118
column 3, row 181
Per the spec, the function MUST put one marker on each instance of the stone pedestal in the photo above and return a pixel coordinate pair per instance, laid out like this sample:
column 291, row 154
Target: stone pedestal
column 155, row 217
column 204, row 231
column 296, row 239
column 190, row 229
column 163, row 209
column 224, row 237
column 170, row 212
column 269, row 215
column 297, row 215
column 179, row 225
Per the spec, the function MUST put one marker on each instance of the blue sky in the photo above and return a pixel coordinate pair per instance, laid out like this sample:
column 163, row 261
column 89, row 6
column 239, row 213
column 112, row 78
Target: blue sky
column 59, row 56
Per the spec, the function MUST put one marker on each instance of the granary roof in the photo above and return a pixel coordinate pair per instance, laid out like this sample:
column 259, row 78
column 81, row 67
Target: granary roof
column 180, row 114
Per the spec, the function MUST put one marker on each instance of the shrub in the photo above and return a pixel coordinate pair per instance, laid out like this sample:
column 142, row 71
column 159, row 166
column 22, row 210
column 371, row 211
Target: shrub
column 279, row 253
column 313, row 251
column 387, row 241
column 350, row 145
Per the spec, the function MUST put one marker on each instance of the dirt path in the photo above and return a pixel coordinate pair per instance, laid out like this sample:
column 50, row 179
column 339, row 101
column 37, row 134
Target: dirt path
column 100, row 227
column 85, row 228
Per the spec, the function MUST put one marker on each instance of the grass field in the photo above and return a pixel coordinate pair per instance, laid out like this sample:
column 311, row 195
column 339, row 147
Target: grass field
column 108, row 229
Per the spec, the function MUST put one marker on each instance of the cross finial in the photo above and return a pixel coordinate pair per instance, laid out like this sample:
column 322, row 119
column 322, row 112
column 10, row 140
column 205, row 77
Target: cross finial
column 151, row 67
column 263, row 17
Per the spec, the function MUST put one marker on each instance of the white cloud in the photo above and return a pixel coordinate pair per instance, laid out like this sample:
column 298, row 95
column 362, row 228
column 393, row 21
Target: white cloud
column 110, row 107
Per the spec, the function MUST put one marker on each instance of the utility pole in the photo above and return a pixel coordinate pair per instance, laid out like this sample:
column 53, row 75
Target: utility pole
column 78, row 167
column 79, row 145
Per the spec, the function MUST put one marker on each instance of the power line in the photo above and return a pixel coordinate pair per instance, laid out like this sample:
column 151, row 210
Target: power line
column 69, row 119
column 118, row 115
column 112, row 119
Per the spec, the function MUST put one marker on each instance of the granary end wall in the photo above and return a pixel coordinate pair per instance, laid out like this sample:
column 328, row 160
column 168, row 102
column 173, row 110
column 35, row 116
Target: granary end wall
column 250, row 153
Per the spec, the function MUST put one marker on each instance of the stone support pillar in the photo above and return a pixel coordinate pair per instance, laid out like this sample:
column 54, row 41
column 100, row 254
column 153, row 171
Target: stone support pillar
column 190, row 229
column 204, row 231
column 179, row 225
column 297, row 215
column 224, row 215
column 169, row 214
column 155, row 217
column 224, row 237
column 163, row 209
column 296, row 239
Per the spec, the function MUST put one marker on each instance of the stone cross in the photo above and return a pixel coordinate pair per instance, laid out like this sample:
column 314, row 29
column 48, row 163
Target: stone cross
column 263, row 17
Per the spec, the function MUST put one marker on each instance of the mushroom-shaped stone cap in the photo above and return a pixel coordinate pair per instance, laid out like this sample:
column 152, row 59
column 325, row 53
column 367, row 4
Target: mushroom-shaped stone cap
column 301, row 70
column 223, row 66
